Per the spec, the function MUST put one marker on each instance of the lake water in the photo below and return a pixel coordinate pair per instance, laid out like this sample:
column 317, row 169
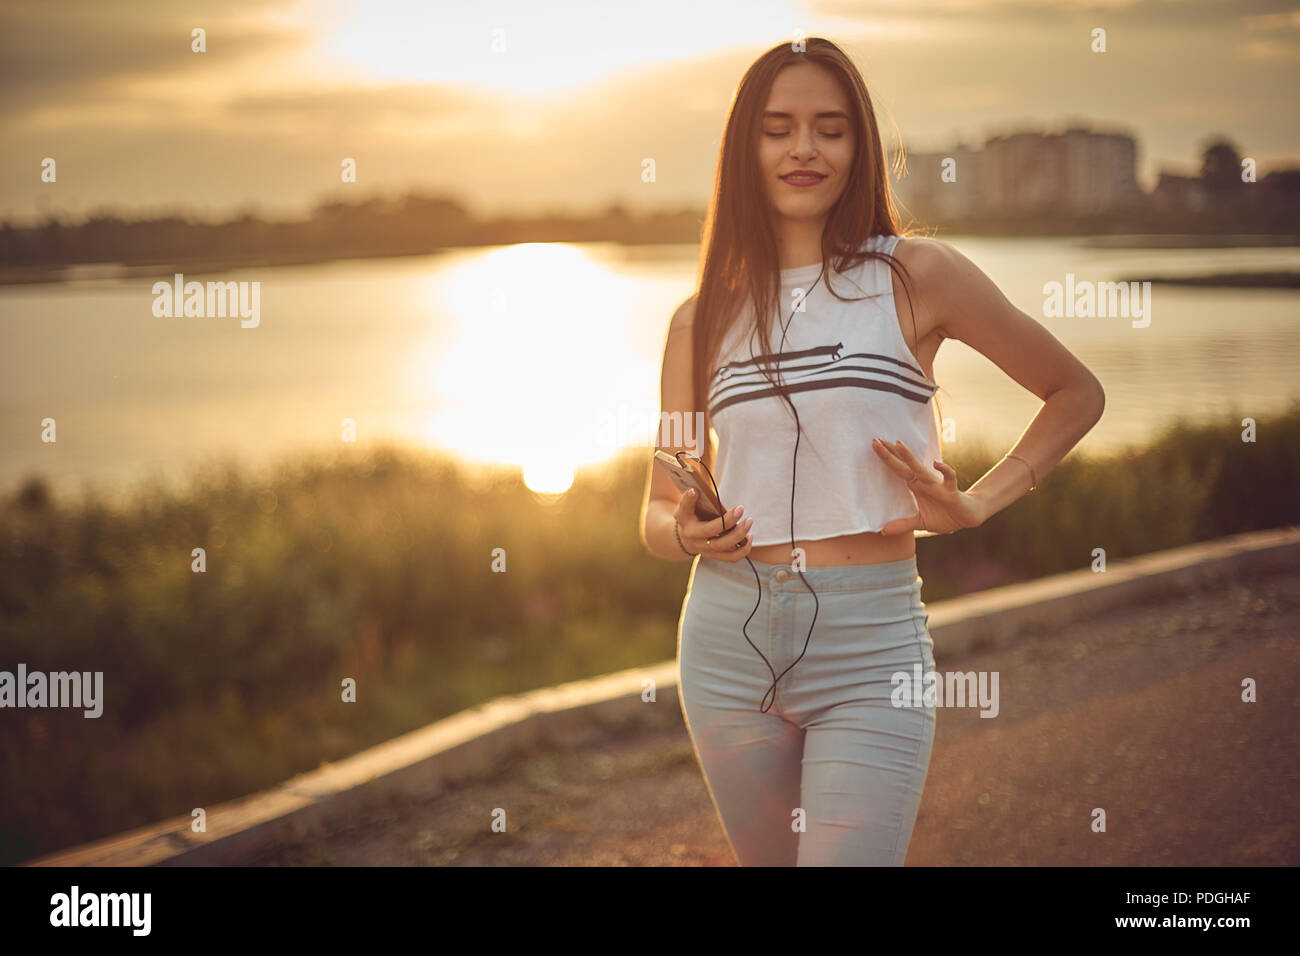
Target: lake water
column 547, row 356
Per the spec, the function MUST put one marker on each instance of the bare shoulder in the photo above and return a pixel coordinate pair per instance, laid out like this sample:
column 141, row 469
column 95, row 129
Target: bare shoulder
column 945, row 282
column 926, row 258
column 926, row 261
column 684, row 317
column 941, row 267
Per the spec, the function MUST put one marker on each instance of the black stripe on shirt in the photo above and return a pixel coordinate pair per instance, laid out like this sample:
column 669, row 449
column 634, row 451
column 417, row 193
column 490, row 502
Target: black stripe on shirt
column 731, row 382
column 733, row 387
column 820, row 384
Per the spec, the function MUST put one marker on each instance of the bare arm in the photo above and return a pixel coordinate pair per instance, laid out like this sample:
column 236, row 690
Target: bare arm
column 663, row 505
column 966, row 305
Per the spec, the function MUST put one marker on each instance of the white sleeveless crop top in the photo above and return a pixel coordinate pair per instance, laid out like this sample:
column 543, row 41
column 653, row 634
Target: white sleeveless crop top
column 852, row 377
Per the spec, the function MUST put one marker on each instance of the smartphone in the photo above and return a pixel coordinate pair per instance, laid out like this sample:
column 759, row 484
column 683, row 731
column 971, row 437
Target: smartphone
column 689, row 472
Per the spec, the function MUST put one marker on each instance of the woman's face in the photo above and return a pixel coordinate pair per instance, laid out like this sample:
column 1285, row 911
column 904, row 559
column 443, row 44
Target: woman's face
column 805, row 126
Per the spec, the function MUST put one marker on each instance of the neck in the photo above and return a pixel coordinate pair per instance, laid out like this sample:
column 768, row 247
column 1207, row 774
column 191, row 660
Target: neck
column 799, row 242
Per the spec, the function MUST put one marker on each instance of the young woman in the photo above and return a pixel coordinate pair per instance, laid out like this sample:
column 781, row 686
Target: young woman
column 829, row 464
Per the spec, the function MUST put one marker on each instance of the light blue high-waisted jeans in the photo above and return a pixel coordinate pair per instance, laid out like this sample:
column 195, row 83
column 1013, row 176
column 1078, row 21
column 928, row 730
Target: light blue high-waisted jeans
column 832, row 773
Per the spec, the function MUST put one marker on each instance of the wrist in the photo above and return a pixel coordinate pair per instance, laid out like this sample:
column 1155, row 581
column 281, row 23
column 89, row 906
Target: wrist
column 678, row 535
column 1003, row 484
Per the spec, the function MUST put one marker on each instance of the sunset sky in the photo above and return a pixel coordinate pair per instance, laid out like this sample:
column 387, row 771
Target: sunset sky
column 582, row 92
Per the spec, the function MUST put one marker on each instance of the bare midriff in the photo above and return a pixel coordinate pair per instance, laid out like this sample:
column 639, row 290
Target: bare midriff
column 869, row 547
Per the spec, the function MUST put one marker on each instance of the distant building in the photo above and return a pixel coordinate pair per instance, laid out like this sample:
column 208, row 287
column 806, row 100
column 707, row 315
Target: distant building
column 1276, row 193
column 1024, row 173
column 1179, row 192
column 924, row 186
column 1075, row 172
column 1102, row 171
column 1278, row 189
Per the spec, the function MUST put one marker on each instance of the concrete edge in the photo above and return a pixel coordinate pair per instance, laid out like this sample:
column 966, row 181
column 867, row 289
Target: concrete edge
column 971, row 623
column 475, row 740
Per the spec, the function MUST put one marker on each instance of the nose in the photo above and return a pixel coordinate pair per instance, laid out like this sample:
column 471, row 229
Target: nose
column 803, row 142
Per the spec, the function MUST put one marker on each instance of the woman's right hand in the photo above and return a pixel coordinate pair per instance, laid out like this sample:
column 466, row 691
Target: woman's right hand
column 729, row 546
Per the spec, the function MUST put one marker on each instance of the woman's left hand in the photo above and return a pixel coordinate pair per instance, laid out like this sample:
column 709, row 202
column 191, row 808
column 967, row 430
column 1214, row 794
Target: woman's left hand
column 943, row 508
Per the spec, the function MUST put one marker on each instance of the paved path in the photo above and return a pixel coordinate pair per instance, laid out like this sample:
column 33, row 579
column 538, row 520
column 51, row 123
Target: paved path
column 1138, row 712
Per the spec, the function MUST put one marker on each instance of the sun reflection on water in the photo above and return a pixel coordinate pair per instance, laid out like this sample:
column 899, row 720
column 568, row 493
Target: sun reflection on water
column 535, row 363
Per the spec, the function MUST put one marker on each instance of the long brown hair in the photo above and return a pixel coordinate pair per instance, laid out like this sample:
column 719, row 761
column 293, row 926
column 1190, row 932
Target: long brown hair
column 738, row 254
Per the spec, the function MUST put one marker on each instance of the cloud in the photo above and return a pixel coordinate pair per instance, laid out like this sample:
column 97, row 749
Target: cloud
column 1271, row 50
column 353, row 108
column 52, row 54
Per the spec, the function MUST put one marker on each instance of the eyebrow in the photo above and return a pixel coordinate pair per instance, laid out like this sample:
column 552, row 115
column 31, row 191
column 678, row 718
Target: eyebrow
column 828, row 114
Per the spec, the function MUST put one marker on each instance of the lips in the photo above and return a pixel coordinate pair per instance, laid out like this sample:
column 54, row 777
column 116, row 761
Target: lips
column 803, row 177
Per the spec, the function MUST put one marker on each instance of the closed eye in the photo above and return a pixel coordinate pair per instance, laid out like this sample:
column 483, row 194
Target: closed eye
column 830, row 135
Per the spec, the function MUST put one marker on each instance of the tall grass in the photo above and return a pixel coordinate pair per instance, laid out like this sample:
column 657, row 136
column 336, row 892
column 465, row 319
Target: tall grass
column 378, row 567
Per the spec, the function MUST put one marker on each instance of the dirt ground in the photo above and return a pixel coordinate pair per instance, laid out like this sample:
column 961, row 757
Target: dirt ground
column 1138, row 712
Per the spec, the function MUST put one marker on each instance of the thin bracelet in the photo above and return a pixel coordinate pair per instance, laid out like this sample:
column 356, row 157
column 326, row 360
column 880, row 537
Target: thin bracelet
column 1033, row 478
column 689, row 554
